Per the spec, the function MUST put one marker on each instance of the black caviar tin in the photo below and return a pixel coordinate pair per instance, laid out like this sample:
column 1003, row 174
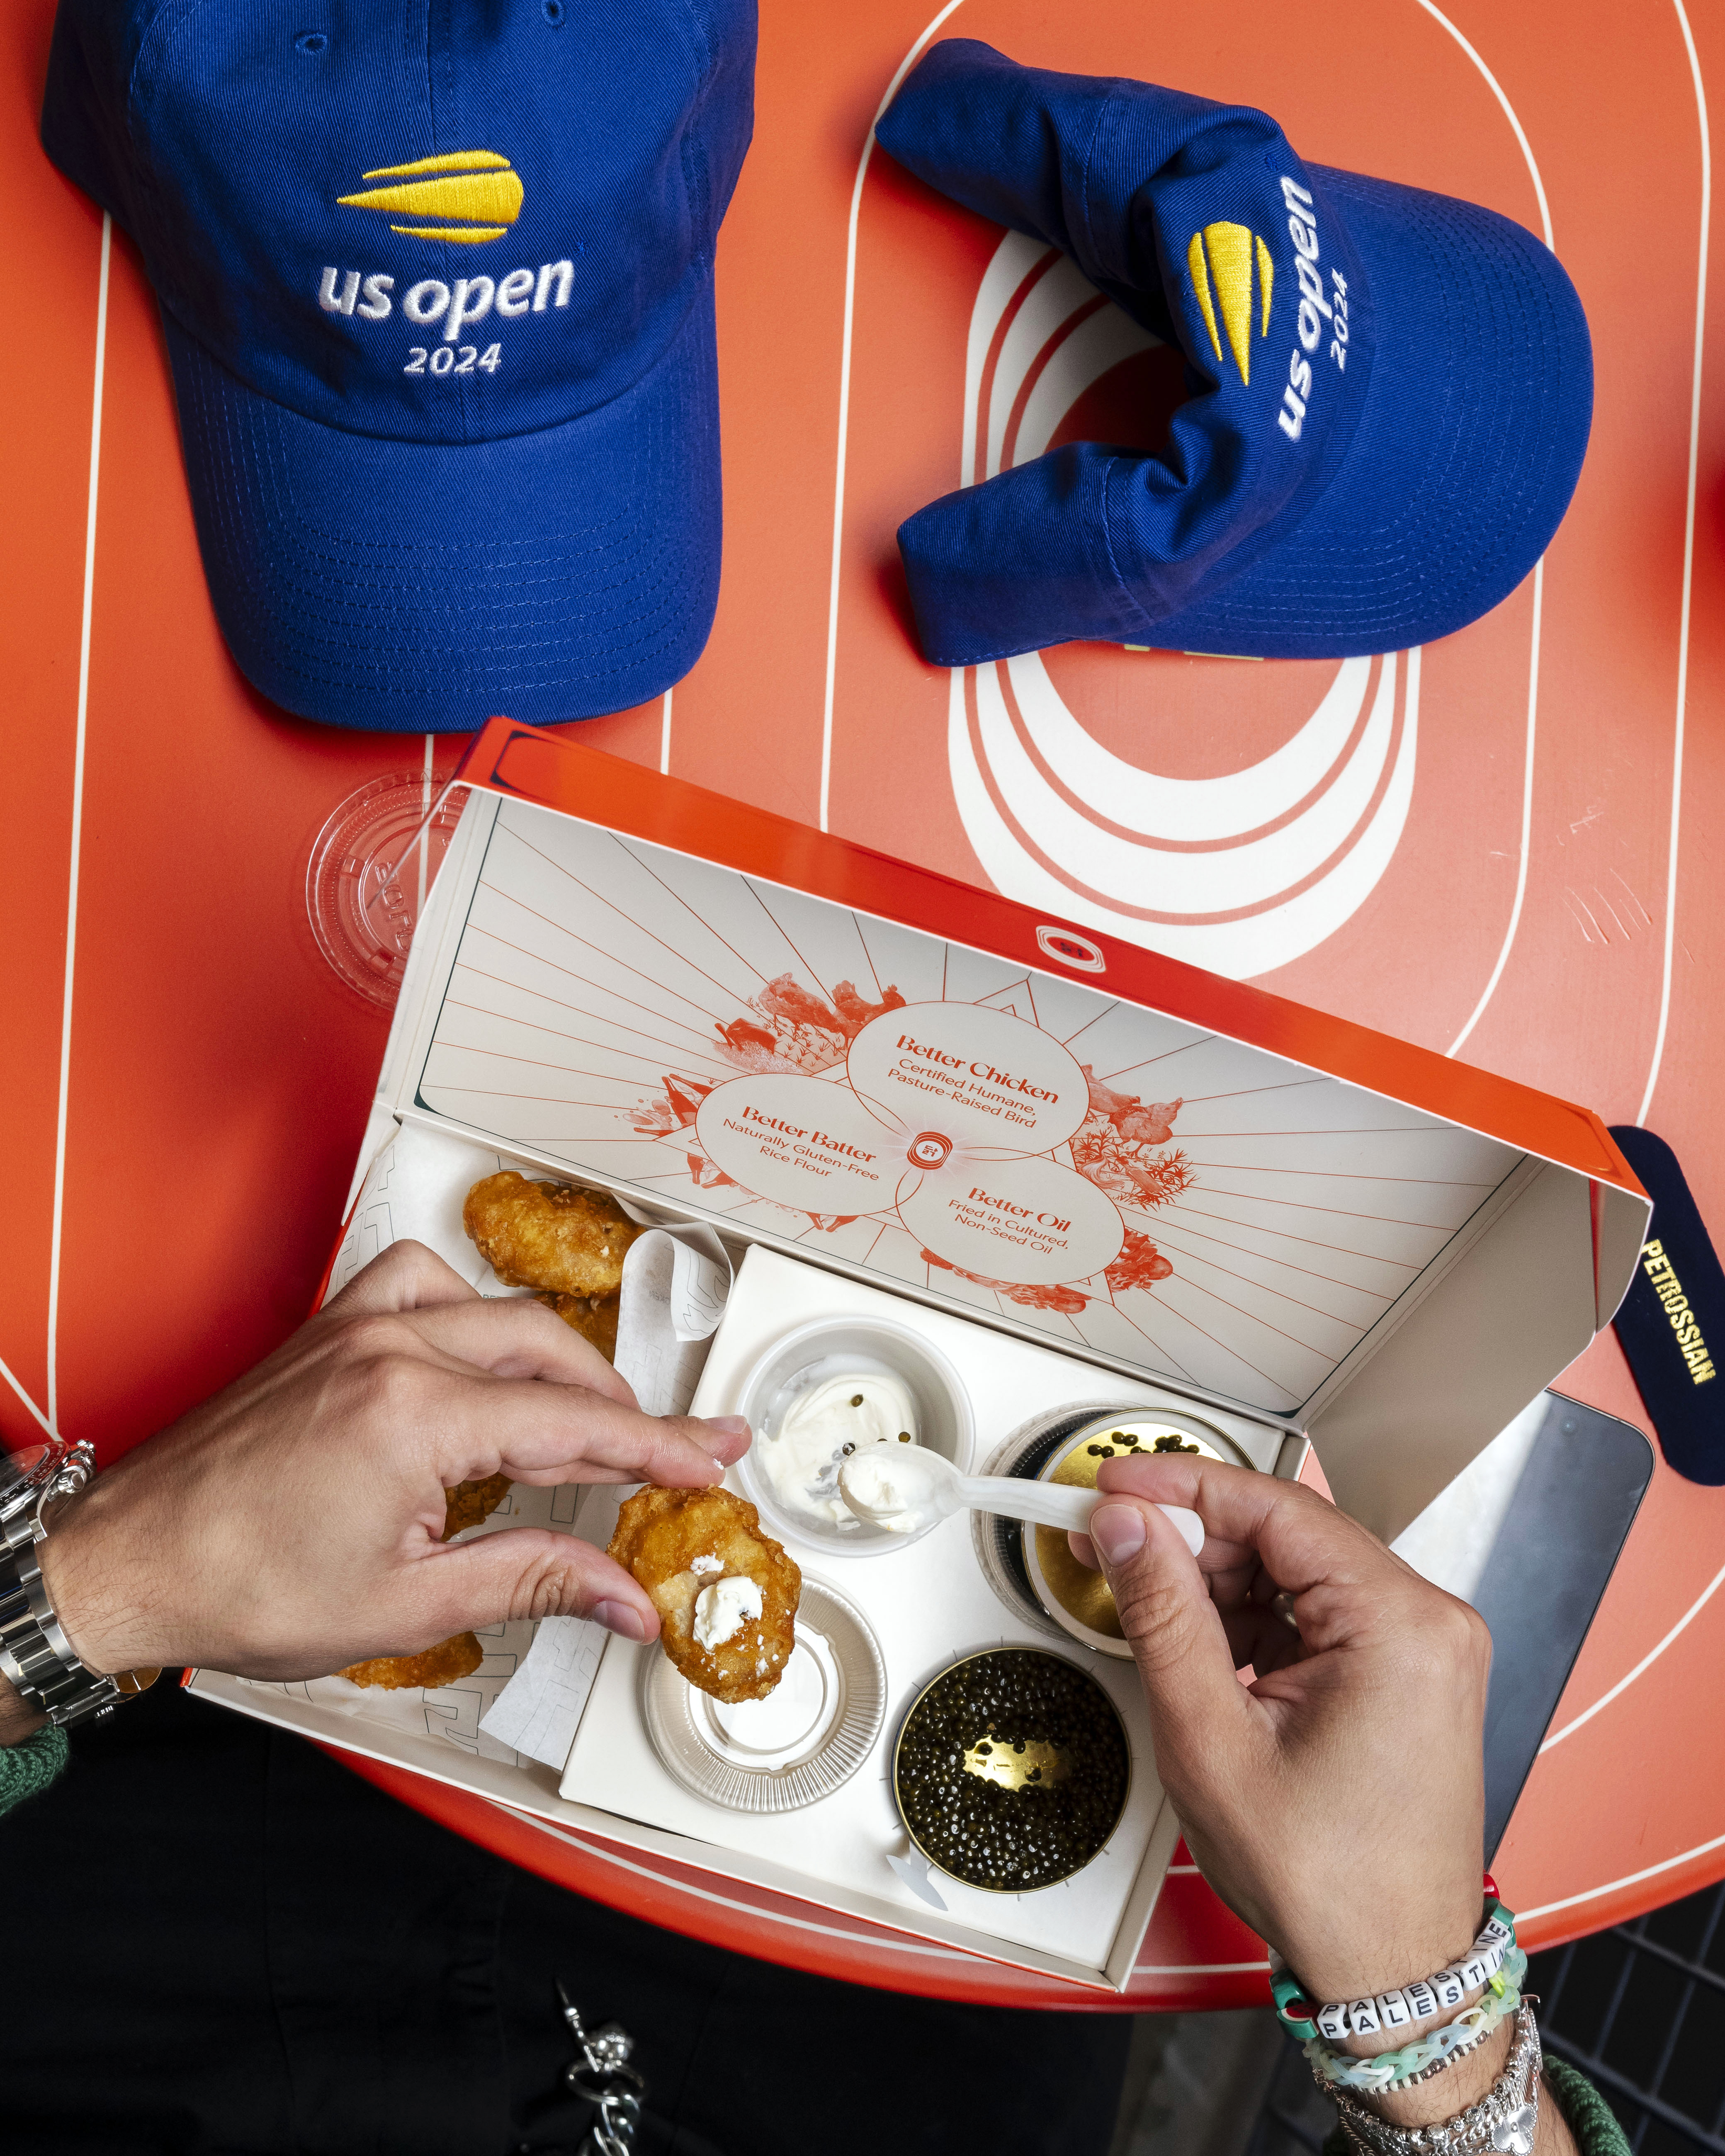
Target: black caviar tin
column 1012, row 1769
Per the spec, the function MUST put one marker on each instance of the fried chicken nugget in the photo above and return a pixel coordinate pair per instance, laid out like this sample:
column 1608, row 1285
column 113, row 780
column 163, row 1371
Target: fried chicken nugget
column 548, row 1235
column 469, row 1503
column 464, row 1506
column 441, row 1665
column 679, row 1543
column 594, row 1317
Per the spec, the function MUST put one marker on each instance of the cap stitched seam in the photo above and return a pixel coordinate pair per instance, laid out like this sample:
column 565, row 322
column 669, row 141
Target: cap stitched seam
column 291, row 635
column 1105, row 106
column 273, row 470
column 283, row 476
column 416, row 547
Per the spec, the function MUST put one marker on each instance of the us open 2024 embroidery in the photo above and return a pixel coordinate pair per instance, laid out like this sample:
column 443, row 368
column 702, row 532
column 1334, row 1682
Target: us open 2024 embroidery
column 470, row 195
column 1315, row 309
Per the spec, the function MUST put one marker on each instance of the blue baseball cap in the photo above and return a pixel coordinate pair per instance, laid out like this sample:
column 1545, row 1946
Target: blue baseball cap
column 437, row 287
column 1390, row 390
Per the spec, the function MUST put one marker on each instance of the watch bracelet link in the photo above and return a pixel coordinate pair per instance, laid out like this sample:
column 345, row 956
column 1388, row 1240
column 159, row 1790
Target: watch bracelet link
column 36, row 1657
column 35, row 1653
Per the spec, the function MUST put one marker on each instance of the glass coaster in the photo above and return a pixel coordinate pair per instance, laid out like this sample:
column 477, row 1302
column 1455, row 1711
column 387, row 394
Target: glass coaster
column 804, row 1740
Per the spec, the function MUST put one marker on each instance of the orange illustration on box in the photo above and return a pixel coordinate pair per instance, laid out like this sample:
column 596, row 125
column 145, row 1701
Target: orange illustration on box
column 958, row 1167
column 933, row 1116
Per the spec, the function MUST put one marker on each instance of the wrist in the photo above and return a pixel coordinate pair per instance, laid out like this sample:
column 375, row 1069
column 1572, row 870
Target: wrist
column 1366, row 1962
column 1458, row 2078
column 1353, row 2021
column 52, row 1674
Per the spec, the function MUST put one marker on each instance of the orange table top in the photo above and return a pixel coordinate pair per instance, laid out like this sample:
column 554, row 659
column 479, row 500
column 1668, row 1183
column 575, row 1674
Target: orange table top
column 1524, row 879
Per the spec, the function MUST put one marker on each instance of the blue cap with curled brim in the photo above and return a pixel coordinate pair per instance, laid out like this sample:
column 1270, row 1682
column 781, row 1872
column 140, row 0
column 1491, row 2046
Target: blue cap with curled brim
column 1391, row 390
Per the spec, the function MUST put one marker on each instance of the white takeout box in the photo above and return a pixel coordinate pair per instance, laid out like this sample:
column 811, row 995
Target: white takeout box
column 1310, row 1228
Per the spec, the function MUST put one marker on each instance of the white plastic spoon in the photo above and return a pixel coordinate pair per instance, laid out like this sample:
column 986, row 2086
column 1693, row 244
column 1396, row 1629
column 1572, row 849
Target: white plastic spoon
column 906, row 1489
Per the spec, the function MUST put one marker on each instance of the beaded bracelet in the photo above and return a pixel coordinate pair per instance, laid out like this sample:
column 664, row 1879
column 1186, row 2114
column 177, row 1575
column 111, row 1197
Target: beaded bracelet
column 1431, row 2053
column 1406, row 2005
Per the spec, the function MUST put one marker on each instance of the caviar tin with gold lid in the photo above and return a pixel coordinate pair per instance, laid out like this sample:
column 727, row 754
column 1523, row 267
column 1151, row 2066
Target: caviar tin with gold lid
column 1012, row 1770
column 1032, row 1568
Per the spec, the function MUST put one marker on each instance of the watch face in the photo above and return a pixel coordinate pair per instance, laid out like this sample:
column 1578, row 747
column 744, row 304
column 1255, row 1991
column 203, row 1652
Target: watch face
column 37, row 1477
column 130, row 1682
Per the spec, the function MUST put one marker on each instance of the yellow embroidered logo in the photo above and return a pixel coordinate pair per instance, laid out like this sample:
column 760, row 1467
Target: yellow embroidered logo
column 467, row 195
column 1220, row 260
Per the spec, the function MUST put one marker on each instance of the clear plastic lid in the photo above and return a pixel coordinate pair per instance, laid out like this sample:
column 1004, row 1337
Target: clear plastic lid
column 371, row 867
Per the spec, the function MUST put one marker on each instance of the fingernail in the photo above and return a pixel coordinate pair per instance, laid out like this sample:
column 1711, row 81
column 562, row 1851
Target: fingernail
column 1117, row 1532
column 728, row 1426
column 622, row 1617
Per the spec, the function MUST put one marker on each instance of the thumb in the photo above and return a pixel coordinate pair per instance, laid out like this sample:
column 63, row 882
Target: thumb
column 527, row 1571
column 1198, row 1710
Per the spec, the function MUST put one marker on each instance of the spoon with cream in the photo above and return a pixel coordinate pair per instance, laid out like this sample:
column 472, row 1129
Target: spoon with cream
column 906, row 1489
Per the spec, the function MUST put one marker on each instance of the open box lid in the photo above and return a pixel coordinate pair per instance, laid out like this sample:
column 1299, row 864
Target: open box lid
column 708, row 1007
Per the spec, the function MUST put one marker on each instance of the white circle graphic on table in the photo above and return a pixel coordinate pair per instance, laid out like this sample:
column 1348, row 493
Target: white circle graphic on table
column 803, row 1142
column 1030, row 1221
column 969, row 1075
column 1240, row 873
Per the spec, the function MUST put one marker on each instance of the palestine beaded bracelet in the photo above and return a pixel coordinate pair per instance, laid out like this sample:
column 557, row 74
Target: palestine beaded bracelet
column 1406, row 2005
column 1429, row 2054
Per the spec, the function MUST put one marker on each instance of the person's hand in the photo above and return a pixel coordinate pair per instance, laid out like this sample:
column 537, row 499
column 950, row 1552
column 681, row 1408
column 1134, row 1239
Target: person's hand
column 1336, row 1801
column 291, row 1525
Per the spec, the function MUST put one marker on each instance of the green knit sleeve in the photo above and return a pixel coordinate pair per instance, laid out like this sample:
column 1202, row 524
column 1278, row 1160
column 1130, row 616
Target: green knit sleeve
column 26, row 1769
column 1590, row 2118
column 1588, row 2115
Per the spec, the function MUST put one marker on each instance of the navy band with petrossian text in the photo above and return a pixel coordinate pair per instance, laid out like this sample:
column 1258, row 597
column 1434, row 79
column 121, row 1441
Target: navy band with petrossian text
column 1671, row 1325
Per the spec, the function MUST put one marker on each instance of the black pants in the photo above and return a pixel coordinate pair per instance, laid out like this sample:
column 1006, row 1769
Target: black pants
column 220, row 1942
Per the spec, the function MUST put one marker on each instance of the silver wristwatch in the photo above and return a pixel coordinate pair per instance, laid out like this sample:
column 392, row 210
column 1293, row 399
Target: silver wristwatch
column 35, row 1653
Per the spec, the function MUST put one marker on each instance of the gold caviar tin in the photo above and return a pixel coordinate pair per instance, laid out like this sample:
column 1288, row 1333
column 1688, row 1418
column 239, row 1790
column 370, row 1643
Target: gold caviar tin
column 1033, row 1568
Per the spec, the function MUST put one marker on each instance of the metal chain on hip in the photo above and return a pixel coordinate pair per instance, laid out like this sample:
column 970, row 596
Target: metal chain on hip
column 602, row 2075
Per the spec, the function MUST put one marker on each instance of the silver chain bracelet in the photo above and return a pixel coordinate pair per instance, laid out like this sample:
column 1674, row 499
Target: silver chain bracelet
column 604, row 2076
column 1504, row 2122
